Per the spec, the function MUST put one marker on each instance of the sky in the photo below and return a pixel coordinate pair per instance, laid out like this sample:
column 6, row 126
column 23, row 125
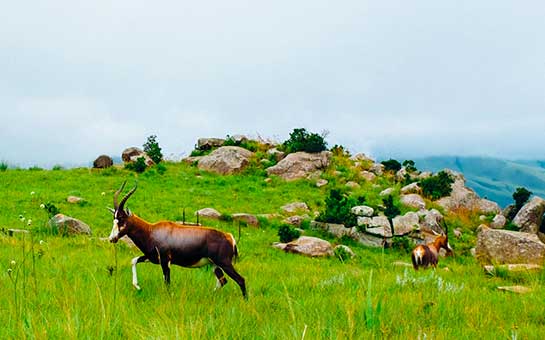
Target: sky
column 402, row 79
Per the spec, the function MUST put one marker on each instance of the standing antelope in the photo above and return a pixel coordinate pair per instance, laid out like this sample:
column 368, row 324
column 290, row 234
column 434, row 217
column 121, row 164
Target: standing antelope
column 167, row 243
column 425, row 255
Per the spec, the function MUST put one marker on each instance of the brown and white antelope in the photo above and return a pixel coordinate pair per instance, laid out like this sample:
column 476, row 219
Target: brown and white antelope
column 425, row 255
column 167, row 243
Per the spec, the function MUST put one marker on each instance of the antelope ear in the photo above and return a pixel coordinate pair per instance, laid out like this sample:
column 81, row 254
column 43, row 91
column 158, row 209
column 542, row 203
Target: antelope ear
column 111, row 210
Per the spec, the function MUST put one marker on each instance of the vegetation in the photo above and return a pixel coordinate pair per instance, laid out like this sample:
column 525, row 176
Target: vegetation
column 391, row 165
column 3, row 166
column 437, row 186
column 139, row 166
column 52, row 285
column 287, row 233
column 301, row 140
column 390, row 210
column 409, row 165
column 338, row 207
column 520, row 196
column 152, row 149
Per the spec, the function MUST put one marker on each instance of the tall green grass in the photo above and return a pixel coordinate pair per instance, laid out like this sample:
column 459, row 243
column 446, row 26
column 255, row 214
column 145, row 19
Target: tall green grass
column 80, row 287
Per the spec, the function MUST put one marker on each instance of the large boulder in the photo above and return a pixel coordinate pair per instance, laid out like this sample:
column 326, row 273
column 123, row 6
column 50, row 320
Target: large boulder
column 413, row 201
column 103, row 162
column 463, row 197
column 246, row 218
column 306, row 245
column 300, row 165
column 209, row 143
column 210, row 213
column 431, row 220
column 226, row 160
column 498, row 222
column 362, row 210
column 66, row 225
column 498, row 246
column 530, row 216
column 412, row 188
column 132, row 154
column 407, row 223
column 295, row 207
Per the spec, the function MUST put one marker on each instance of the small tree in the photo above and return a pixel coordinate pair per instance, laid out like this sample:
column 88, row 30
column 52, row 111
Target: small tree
column 151, row 147
column 409, row 165
column 338, row 208
column 301, row 140
column 391, row 165
column 520, row 196
column 390, row 211
column 435, row 187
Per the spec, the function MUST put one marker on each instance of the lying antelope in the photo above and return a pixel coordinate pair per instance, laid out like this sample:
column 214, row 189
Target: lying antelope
column 167, row 243
column 425, row 255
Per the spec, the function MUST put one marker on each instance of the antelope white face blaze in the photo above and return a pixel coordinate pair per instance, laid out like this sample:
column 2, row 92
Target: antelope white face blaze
column 115, row 230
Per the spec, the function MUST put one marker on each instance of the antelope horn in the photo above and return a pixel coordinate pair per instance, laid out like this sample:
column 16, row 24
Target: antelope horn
column 121, row 205
column 116, row 205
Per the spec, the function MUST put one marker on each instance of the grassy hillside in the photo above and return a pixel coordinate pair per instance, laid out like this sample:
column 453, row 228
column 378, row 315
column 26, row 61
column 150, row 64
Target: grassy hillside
column 80, row 287
column 493, row 178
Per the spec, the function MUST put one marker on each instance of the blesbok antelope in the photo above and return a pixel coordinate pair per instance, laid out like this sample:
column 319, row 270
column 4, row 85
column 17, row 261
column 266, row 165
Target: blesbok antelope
column 425, row 255
column 167, row 243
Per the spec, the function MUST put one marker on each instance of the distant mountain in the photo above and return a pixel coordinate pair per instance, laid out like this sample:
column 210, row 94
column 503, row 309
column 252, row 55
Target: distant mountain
column 493, row 178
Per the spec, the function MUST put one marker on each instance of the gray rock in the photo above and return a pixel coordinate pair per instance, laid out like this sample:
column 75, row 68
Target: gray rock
column 498, row 246
column 209, row 213
column 352, row 185
column 346, row 249
column 296, row 220
column 431, row 220
column 278, row 155
column 377, row 169
column 337, row 230
column 226, row 160
column 246, row 218
column 103, row 162
column 530, row 216
column 192, row 159
column 209, row 143
column 131, row 155
column 68, row 225
column 413, row 200
column 498, row 222
column 306, row 245
column 300, row 165
column 74, row 199
column 412, row 188
column 407, row 223
column 387, row 192
column 361, row 157
column 295, row 207
column 362, row 210
column 321, row 182
column 368, row 176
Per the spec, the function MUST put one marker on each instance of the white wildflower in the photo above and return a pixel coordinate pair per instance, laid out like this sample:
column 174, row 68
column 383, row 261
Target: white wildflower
column 29, row 222
column 42, row 206
column 32, row 193
column 42, row 242
column 103, row 193
column 12, row 263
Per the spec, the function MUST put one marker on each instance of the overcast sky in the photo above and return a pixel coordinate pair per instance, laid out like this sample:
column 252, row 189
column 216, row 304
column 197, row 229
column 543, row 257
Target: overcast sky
column 388, row 78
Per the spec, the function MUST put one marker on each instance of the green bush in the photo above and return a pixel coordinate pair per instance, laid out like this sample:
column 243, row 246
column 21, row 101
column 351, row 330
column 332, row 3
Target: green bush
column 437, row 186
column 342, row 254
column 409, row 165
column 391, row 165
column 301, row 140
column 247, row 144
column 50, row 209
column 57, row 167
column 520, row 196
column 338, row 206
column 3, row 166
column 139, row 166
column 287, row 233
column 151, row 147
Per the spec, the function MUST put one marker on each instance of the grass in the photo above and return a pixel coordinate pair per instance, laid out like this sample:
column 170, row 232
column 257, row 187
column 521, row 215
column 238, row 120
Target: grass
column 80, row 287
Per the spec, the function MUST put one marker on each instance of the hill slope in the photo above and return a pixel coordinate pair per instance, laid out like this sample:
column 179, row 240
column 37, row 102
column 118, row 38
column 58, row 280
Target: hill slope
column 493, row 178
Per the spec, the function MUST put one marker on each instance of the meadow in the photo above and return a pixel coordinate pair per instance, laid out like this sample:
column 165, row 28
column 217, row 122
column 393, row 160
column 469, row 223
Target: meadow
column 79, row 287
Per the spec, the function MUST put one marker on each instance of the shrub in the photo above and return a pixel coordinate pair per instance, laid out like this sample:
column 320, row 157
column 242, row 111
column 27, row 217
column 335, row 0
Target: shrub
column 198, row 153
column 287, row 233
column 139, row 166
column 35, row 168
column 161, row 168
column 151, row 147
column 301, row 140
column 51, row 209
column 402, row 243
column 246, row 144
column 57, row 167
column 342, row 254
column 390, row 210
column 3, row 166
column 338, row 206
column 391, row 165
column 437, row 186
column 520, row 196
column 409, row 165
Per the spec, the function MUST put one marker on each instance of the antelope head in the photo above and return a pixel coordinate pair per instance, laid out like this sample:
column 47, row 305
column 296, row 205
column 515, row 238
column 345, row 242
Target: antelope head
column 121, row 215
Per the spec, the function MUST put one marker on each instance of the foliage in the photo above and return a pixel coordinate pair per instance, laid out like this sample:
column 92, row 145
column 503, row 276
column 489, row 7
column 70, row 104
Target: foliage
column 199, row 153
column 287, row 233
column 301, row 140
column 409, row 165
column 338, row 208
column 402, row 243
column 342, row 254
column 57, row 167
column 152, row 149
column 3, row 166
column 139, row 166
column 35, row 168
column 51, row 209
column 390, row 210
column 437, row 186
column 391, row 165
column 244, row 143
column 340, row 151
column 520, row 196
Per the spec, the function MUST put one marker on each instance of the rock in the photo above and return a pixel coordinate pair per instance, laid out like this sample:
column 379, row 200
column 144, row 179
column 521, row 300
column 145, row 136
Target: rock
column 321, row 182
column 209, row 143
column 400, row 174
column 352, row 185
column 387, row 192
column 238, row 139
column 431, row 220
column 508, row 209
column 519, row 267
column 267, row 180
column 457, row 233
column 296, row 220
column 516, row 289
column 103, row 162
column 498, row 222
column 246, row 218
column 210, row 213
column 405, row 224
column 361, row 157
column 74, row 199
column 424, row 175
column 504, row 246
column 300, row 165
column 362, row 210
column 368, row 176
column 68, row 225
column 364, row 221
column 463, row 197
column 377, row 169
column 292, row 208
column 341, row 248
column 337, row 230
column 192, row 159
column 412, row 188
column 306, row 245
column 130, row 155
column 278, row 155
column 226, row 160
column 530, row 216
column 413, row 200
